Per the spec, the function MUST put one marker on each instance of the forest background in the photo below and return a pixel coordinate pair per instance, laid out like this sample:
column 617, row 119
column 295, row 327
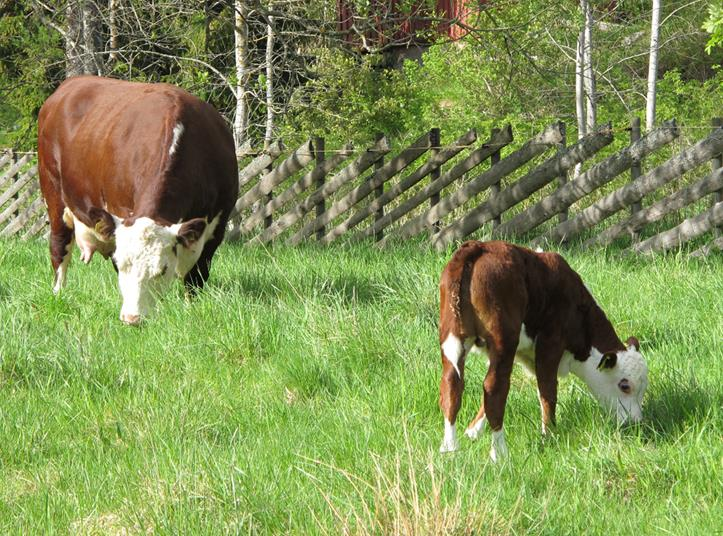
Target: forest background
column 285, row 69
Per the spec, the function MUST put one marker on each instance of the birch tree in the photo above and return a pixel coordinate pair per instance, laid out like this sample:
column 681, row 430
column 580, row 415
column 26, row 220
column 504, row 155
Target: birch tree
column 653, row 65
column 268, row 135
column 241, row 43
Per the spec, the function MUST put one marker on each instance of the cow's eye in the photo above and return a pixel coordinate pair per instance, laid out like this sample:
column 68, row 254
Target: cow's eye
column 624, row 386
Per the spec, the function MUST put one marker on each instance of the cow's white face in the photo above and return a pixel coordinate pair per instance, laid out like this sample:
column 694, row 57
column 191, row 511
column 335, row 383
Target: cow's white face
column 149, row 256
column 618, row 381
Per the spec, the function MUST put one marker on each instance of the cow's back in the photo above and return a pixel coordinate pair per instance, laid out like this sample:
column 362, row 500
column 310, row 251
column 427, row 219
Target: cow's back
column 137, row 150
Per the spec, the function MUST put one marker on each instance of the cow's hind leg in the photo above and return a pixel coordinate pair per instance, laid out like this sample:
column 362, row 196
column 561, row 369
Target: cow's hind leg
column 501, row 351
column 61, row 231
column 451, row 388
column 477, row 425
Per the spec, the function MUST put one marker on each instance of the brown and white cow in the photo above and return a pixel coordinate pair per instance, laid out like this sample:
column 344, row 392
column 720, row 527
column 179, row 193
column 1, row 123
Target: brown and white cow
column 145, row 173
column 529, row 307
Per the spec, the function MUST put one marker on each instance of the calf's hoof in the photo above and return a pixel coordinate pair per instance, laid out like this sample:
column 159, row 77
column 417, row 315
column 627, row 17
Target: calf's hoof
column 475, row 429
column 449, row 446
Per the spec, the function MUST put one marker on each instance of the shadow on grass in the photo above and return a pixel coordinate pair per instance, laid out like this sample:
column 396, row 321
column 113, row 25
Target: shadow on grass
column 348, row 288
column 677, row 406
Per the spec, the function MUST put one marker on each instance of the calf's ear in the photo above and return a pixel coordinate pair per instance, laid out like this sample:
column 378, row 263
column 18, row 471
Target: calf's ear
column 191, row 231
column 608, row 360
column 631, row 343
column 103, row 222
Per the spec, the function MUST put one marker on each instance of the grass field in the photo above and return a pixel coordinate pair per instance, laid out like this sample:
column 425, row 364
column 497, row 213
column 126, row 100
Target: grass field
column 298, row 394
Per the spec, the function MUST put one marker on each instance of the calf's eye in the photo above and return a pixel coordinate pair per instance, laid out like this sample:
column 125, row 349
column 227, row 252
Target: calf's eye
column 624, row 386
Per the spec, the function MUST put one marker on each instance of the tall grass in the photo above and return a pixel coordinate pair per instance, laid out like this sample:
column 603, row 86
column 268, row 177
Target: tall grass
column 298, row 394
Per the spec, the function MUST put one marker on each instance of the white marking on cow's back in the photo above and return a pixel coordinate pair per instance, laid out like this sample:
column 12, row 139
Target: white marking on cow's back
column 177, row 132
column 453, row 351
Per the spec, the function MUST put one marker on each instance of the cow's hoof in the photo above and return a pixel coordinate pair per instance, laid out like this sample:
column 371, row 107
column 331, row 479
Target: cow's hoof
column 499, row 450
column 449, row 446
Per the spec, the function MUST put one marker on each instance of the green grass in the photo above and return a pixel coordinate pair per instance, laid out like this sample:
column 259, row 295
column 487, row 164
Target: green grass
column 298, row 394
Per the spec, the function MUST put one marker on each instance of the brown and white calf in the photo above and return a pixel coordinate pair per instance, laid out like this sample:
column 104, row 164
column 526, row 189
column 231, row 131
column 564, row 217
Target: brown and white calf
column 145, row 173
column 519, row 305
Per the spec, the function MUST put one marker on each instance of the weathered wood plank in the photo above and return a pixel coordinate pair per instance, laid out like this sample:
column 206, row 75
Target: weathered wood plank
column 360, row 164
column 543, row 174
column 5, row 157
column 13, row 170
column 40, row 224
column 296, row 161
column 299, row 186
column 689, row 229
column 657, row 211
column 434, row 163
column 19, row 202
column 674, row 167
column 18, row 185
column 475, row 158
column 420, row 146
column 19, row 222
column 589, row 181
column 552, row 135
column 715, row 245
column 260, row 163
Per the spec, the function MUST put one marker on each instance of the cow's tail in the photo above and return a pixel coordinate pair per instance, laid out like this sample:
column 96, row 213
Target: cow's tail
column 460, row 276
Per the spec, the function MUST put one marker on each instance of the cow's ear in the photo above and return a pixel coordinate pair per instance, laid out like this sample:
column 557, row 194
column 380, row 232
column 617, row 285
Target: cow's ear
column 608, row 360
column 631, row 343
column 191, row 231
column 103, row 222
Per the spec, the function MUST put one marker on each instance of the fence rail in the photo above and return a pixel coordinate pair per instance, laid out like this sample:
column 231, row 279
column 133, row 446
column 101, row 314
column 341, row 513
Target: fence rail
column 379, row 194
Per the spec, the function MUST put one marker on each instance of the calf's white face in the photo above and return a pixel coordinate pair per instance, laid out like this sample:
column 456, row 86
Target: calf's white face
column 149, row 256
column 618, row 382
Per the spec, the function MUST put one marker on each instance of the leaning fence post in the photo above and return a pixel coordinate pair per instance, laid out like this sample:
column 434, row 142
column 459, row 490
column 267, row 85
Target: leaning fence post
column 435, row 143
column 495, row 188
column 13, row 162
column 379, row 191
column 715, row 163
column 267, row 199
column 321, row 205
column 635, row 169
column 562, row 179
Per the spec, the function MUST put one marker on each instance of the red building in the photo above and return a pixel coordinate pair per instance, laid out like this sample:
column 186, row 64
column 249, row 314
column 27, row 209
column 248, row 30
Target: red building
column 395, row 24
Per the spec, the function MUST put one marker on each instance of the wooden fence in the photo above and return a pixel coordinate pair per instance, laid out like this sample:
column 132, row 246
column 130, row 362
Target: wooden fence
column 447, row 192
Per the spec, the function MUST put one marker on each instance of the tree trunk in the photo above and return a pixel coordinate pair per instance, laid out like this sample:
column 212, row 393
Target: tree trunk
column 91, row 38
column 73, row 36
column 580, row 92
column 589, row 75
column 113, row 30
column 269, row 81
column 653, row 66
column 241, row 43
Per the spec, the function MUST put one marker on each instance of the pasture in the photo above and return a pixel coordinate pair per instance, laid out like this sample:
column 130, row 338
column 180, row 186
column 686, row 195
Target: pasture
column 298, row 394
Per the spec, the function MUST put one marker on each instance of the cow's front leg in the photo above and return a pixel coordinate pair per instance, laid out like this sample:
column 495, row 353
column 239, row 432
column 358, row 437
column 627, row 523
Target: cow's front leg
column 450, row 389
column 548, row 353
